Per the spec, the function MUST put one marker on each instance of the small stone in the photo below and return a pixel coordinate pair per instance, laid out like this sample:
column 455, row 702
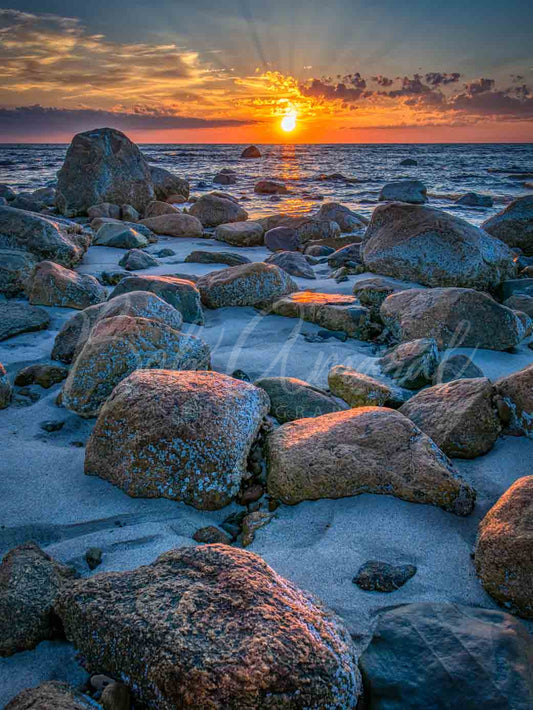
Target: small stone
column 211, row 534
column 44, row 375
column 375, row 576
column 93, row 557
column 251, row 494
column 251, row 523
column 241, row 375
column 52, row 425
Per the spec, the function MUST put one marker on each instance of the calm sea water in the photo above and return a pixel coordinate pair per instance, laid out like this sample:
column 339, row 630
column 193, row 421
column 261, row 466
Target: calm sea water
column 448, row 171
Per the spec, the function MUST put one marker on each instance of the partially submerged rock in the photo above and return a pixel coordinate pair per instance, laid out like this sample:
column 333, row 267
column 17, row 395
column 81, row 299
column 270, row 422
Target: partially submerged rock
column 180, row 293
column 213, row 210
column 291, row 398
column 175, row 224
column 270, row 187
column 240, row 234
column 251, row 152
column 514, row 224
column 242, row 609
column 412, row 364
column 412, row 191
column 515, row 395
column 179, row 435
column 357, row 389
column 474, row 199
column 53, row 285
column 17, row 317
column 246, row 285
column 362, row 450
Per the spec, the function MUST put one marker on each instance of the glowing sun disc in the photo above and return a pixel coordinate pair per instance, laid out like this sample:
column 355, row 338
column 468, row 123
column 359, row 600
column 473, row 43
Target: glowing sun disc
column 288, row 123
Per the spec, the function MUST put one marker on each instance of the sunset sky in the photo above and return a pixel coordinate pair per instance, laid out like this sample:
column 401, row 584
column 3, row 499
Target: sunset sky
column 214, row 71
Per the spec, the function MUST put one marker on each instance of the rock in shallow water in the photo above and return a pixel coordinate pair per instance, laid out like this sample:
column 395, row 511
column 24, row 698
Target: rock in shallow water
column 293, row 652
column 293, row 263
column 136, row 259
column 412, row 191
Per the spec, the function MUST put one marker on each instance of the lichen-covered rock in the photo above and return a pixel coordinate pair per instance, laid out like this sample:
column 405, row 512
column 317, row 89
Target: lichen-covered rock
column 412, row 364
column 16, row 317
column 179, row 435
column 514, row 224
column 270, row 187
column 167, row 184
column 216, row 257
column 53, row 285
column 5, row 388
column 293, row 262
column 328, row 310
column 454, row 317
column 362, row 450
column 180, row 293
column 246, row 285
column 15, row 268
column 411, row 191
column 102, row 165
column 357, row 389
column 373, row 290
column 157, row 208
column 52, row 695
column 116, row 347
column 240, row 234
column 456, row 367
column 515, row 395
column 460, row 416
column 434, row 248
column 43, row 237
column 213, row 210
column 442, row 655
column 347, row 220
column 317, row 229
column 29, row 584
column 293, row 652
column 251, row 152
column 136, row 259
column 504, row 549
column 175, row 224
column 40, row 374
column 120, row 236
column 292, row 399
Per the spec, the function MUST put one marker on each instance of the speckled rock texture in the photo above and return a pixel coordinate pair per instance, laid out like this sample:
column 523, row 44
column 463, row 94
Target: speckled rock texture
column 120, row 236
column 103, row 209
column 434, row 248
column 442, row 655
column 213, row 210
column 216, row 257
column 174, row 225
column 17, row 317
column 460, row 416
column 43, row 237
column 52, row 695
column 247, row 285
column 157, row 208
column 377, row 576
column 347, row 219
column 241, row 234
column 179, row 435
column 410, row 191
column 103, row 165
column 179, row 293
column 196, row 610
column 29, row 583
column 455, row 317
column 116, row 347
column 515, row 394
column 373, row 290
column 5, row 388
column 317, row 229
column 520, row 302
column 291, row 398
column 412, row 364
column 504, row 549
column 141, row 304
column 137, row 259
column 53, row 285
column 345, row 256
column 514, row 224
column 357, row 389
column 328, row 310
column 293, row 262
column 456, row 367
column 41, row 374
column 167, row 184
column 362, row 450
column 15, row 268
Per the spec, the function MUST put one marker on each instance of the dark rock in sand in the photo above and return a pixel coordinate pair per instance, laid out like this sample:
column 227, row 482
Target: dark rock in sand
column 242, row 609
column 373, row 290
column 43, row 375
column 441, row 655
column 412, row 191
column 412, row 364
column 16, row 317
column 473, row 199
column 53, row 285
column 240, row 234
column 120, row 236
column 251, row 152
column 456, row 367
column 317, row 250
column 246, row 285
column 167, row 184
column 292, row 399
column 375, row 576
column 52, row 695
column 515, row 401
column 6, row 390
column 52, row 425
column 136, row 259
column 214, row 209
column 211, row 534
column 282, row 239
column 15, row 268
column 251, row 523
column 180, row 293
column 216, row 257
column 293, row 262
column 514, row 224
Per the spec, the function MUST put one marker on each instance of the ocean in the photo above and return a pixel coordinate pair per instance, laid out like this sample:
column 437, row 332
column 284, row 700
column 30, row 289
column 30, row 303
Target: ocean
column 448, row 171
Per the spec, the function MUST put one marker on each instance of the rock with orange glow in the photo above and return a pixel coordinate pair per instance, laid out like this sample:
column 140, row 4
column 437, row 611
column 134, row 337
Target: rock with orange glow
column 213, row 627
column 333, row 311
column 251, row 152
column 270, row 187
column 504, row 549
column 53, row 285
column 247, row 285
column 362, row 450
column 214, row 209
column 179, row 435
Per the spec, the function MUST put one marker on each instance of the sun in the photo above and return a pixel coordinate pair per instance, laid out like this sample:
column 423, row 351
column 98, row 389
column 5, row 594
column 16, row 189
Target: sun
column 288, row 123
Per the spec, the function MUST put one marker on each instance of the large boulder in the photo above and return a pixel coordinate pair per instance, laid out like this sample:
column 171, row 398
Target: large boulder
column 434, row 248
column 251, row 152
column 175, row 224
column 514, row 224
column 167, row 184
column 455, row 317
column 411, row 191
column 246, row 285
column 52, row 695
column 293, row 262
column 179, row 435
column 412, row 364
column 29, row 584
column 347, row 220
column 240, row 234
column 103, row 165
column 442, row 655
column 358, row 389
column 180, row 293
column 515, row 395
column 213, row 210
column 504, row 549
column 43, row 237
column 116, row 347
column 292, row 651
column 460, row 416
column 53, row 285
column 291, row 398
column 120, row 236
column 16, row 318
column 140, row 304
column 5, row 388
column 15, row 268
column 328, row 310
column 362, row 450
